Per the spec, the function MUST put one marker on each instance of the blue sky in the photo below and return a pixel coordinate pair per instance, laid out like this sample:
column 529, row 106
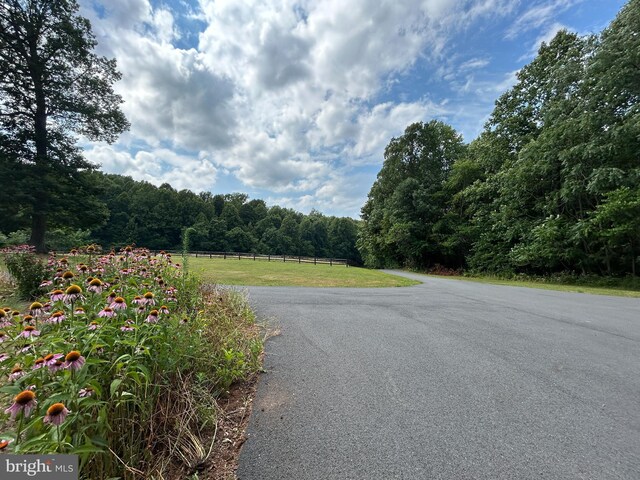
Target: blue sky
column 294, row 101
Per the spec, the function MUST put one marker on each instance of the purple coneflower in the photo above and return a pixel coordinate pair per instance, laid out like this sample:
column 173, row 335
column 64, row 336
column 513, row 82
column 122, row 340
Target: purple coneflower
column 79, row 311
column 148, row 299
column 95, row 285
column 46, row 283
column 23, row 402
column 184, row 321
column 68, row 275
column 152, row 317
column 106, row 312
column 16, row 373
column 3, row 357
column 164, row 310
column 73, row 293
column 52, row 358
column 56, row 365
column 29, row 331
column 128, row 326
column 56, row 414
column 74, row 360
column 118, row 304
column 36, row 308
column 93, row 326
column 56, row 317
column 86, row 392
column 56, row 295
column 4, row 319
column 137, row 300
column 82, row 268
column 39, row 363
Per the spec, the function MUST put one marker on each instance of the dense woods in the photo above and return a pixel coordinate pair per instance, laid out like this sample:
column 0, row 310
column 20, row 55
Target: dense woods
column 552, row 184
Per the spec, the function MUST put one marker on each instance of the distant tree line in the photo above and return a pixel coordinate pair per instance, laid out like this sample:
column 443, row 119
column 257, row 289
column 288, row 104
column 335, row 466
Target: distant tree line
column 552, row 184
column 155, row 217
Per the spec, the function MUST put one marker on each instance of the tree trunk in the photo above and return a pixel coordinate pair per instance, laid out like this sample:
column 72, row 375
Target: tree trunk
column 40, row 206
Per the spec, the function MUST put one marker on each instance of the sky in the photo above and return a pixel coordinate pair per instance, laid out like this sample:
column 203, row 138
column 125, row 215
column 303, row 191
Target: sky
column 294, row 101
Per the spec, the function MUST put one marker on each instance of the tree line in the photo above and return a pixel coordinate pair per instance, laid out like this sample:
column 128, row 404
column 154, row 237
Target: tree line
column 552, row 184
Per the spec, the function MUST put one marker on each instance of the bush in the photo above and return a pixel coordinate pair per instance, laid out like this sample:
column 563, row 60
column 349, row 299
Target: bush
column 26, row 268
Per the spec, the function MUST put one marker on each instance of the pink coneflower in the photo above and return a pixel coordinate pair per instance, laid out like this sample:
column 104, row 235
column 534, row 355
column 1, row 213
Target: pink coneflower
column 68, row 275
column 86, row 392
column 152, row 317
column 23, row 402
column 16, row 373
column 119, row 304
column 106, row 312
column 27, row 318
column 56, row 295
column 79, row 311
column 46, row 307
column 4, row 319
column 46, row 283
column 73, row 252
column 95, row 285
column 128, row 326
column 39, row 363
column 73, row 293
column 52, row 358
column 164, row 310
column 74, row 360
column 93, row 326
column 56, row 317
column 184, row 321
column 56, row 414
column 36, row 308
column 56, row 365
column 29, row 331
column 148, row 299
column 82, row 268
column 3, row 357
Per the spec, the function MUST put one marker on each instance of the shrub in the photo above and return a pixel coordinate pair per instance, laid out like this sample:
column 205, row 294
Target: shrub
column 26, row 268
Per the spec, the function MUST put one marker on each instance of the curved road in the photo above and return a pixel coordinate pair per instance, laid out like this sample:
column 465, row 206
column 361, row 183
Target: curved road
column 446, row 380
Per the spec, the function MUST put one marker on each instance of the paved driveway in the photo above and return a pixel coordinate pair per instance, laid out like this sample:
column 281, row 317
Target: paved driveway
column 446, row 380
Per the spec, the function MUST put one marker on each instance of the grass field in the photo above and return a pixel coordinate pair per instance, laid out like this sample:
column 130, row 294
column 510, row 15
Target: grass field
column 615, row 291
column 262, row 273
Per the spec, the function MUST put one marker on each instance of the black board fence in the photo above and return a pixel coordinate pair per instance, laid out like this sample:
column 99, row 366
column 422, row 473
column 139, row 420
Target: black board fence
column 267, row 258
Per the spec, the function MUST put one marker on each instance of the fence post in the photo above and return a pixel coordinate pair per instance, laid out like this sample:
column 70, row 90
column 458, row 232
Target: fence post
column 284, row 259
column 224, row 255
column 269, row 259
column 299, row 259
column 254, row 257
column 331, row 262
column 238, row 255
column 315, row 260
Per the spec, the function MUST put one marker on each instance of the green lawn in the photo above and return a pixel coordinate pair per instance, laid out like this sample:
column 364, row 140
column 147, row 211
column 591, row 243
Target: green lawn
column 263, row 273
column 615, row 291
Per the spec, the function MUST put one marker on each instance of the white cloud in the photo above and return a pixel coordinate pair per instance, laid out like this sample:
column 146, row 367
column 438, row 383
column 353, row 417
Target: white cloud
column 157, row 167
column 281, row 94
column 539, row 15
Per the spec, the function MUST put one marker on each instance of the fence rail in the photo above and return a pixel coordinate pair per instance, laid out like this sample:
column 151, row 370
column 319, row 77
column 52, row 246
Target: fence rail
column 268, row 258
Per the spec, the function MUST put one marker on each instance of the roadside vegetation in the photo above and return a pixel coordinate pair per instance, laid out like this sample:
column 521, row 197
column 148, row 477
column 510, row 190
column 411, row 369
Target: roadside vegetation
column 263, row 273
column 119, row 358
column 550, row 188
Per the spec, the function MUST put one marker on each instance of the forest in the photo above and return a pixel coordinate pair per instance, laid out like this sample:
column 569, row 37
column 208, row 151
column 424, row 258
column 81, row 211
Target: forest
column 133, row 212
column 552, row 184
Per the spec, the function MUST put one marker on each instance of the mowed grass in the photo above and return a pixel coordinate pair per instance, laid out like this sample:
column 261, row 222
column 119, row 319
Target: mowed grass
column 563, row 287
column 281, row 274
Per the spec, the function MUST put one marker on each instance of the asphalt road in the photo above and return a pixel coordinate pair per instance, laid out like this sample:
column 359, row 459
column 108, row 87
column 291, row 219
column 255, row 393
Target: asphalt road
column 446, row 380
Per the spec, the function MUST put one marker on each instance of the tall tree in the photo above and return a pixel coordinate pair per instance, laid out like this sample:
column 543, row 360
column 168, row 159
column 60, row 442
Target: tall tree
column 408, row 198
column 52, row 88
